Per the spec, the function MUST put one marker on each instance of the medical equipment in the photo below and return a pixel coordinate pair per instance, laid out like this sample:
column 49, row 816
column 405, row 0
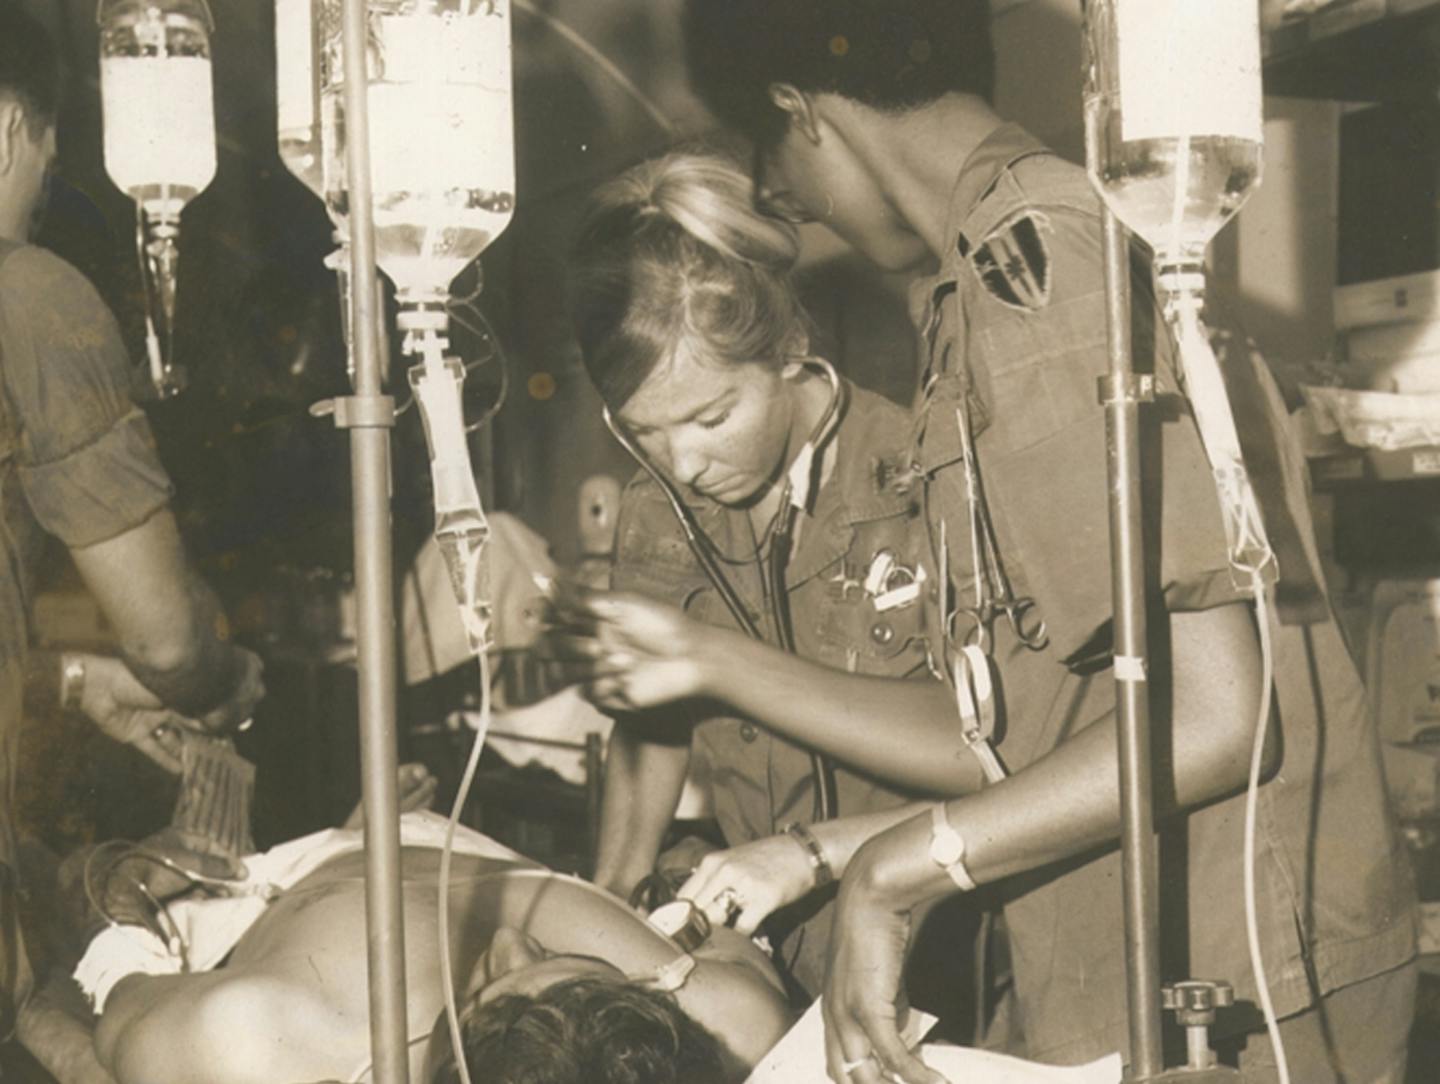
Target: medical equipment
column 796, row 493
column 159, row 116
column 217, row 786
column 438, row 87
column 428, row 83
column 298, row 134
column 1173, row 126
column 1174, row 158
column 684, row 923
column 993, row 594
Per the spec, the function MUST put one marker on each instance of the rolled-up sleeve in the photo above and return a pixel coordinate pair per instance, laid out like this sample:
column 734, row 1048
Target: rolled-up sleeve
column 1043, row 461
column 86, row 457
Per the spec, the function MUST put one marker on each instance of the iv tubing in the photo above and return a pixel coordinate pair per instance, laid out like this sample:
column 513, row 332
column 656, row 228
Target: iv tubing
column 1257, row 754
column 447, row 980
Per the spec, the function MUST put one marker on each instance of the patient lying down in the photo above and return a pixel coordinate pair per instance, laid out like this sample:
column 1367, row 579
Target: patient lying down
column 557, row 980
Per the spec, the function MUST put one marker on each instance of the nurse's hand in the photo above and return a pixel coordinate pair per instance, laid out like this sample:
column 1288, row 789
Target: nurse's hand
column 864, row 1004
column 247, row 690
column 748, row 883
column 641, row 653
column 115, row 701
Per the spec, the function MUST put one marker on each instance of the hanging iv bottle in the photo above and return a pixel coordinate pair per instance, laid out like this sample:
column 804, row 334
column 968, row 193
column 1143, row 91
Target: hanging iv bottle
column 298, row 135
column 1173, row 137
column 441, row 136
column 157, row 98
column 297, row 92
column 1173, row 117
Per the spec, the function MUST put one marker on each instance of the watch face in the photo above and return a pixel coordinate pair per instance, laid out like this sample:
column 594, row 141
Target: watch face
column 946, row 848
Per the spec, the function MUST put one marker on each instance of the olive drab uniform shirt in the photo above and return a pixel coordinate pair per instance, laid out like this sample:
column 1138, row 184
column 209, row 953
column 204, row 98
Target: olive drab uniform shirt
column 863, row 514
column 1014, row 326
column 77, row 462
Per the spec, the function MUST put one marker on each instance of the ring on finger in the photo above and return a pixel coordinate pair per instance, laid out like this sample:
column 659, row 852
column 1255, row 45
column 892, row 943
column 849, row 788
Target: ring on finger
column 848, row 1067
column 730, row 903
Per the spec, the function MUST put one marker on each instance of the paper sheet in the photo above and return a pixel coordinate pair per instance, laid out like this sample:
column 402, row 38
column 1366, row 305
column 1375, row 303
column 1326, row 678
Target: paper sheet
column 799, row 1058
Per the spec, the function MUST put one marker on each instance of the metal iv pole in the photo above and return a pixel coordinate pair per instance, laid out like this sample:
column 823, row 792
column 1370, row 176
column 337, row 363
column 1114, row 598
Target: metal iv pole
column 1122, row 391
column 369, row 414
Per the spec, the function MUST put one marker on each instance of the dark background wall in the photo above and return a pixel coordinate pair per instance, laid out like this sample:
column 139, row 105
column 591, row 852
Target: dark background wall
column 262, row 486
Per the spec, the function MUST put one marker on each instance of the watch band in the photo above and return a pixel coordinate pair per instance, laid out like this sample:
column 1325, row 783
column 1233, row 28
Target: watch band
column 947, row 848
column 824, row 872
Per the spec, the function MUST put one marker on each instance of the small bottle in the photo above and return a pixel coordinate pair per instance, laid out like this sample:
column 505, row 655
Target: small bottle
column 683, row 923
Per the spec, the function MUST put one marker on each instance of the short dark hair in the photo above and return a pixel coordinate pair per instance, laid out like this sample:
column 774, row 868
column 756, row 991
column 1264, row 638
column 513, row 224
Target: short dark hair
column 889, row 54
column 29, row 66
column 584, row 1031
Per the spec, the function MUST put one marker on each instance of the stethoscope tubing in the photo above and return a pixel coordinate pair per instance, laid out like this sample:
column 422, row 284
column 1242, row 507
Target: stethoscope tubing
column 781, row 538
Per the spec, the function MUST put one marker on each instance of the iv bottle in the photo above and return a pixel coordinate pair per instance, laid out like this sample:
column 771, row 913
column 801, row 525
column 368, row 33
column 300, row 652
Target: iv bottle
column 158, row 104
column 1173, row 117
column 158, row 101
column 1173, row 136
column 297, row 129
column 441, row 135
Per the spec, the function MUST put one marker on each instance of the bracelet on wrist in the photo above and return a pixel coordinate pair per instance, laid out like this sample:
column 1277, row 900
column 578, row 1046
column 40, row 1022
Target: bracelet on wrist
column 819, row 863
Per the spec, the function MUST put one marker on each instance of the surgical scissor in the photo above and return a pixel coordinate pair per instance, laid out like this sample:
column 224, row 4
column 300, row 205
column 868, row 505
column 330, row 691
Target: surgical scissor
column 994, row 594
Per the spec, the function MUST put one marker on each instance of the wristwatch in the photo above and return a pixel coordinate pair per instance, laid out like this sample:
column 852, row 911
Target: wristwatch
column 947, row 848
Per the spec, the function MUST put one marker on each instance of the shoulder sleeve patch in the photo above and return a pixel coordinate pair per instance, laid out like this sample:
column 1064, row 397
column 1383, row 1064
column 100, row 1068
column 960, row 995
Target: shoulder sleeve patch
column 1013, row 263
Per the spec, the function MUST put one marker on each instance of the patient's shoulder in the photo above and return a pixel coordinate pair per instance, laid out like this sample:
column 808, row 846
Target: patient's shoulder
column 231, row 1028
column 735, row 994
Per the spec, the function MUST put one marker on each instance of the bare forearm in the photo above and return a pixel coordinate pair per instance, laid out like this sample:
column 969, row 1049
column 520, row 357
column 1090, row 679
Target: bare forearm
column 201, row 676
column 643, row 781
column 842, row 837
column 905, row 732
column 171, row 628
column 62, row 1044
column 1069, row 801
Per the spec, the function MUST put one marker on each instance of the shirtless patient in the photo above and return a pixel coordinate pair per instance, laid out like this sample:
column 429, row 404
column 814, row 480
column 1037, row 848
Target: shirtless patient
column 549, row 969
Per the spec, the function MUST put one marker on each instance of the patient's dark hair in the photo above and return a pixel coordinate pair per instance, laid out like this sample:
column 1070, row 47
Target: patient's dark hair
column 888, row 54
column 585, row 1031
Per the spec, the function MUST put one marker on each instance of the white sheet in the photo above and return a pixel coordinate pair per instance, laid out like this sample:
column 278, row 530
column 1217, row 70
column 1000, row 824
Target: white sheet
column 209, row 928
column 799, row 1058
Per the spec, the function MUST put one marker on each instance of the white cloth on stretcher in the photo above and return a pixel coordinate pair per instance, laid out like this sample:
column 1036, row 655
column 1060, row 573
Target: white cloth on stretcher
column 799, row 1058
column 209, row 928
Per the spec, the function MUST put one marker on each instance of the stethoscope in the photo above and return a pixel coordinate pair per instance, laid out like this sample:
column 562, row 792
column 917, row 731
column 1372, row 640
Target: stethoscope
column 795, row 495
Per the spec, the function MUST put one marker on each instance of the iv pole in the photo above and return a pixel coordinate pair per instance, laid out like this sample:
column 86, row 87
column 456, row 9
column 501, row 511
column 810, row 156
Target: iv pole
column 1122, row 391
column 369, row 414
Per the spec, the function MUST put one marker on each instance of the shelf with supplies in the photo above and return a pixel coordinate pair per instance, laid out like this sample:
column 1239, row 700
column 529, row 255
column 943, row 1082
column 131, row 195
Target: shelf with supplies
column 1354, row 50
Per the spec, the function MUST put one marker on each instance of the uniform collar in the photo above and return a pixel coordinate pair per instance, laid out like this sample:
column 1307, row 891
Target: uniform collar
column 869, row 455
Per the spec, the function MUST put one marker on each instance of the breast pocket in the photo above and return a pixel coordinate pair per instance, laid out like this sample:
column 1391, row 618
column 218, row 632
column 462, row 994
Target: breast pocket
column 684, row 588
column 879, row 598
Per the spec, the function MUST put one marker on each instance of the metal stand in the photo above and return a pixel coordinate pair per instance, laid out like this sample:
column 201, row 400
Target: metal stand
column 369, row 415
column 1122, row 391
